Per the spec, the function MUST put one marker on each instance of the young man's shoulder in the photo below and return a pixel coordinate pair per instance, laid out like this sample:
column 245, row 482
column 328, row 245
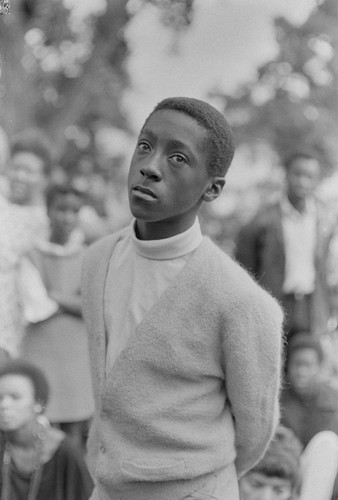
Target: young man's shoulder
column 231, row 276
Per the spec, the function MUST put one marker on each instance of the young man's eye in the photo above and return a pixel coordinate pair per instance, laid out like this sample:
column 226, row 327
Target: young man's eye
column 177, row 158
column 143, row 146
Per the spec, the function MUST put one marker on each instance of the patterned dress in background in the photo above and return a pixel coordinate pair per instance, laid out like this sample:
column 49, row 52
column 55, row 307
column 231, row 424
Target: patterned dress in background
column 20, row 228
column 59, row 345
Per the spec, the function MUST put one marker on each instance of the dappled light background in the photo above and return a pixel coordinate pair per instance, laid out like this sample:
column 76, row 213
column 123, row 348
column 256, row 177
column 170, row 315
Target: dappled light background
column 88, row 73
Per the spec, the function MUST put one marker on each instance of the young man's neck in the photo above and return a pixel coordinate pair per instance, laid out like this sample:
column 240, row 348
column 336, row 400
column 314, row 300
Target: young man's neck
column 161, row 230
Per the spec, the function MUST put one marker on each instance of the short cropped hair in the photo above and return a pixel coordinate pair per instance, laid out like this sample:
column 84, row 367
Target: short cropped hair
column 307, row 154
column 35, row 142
column 282, row 458
column 305, row 340
column 31, row 372
column 220, row 141
column 55, row 190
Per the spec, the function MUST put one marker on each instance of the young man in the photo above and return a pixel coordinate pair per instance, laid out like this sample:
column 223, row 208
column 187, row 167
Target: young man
column 185, row 346
column 286, row 246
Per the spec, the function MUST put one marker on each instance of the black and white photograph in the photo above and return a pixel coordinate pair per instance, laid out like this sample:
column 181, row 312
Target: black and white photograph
column 168, row 250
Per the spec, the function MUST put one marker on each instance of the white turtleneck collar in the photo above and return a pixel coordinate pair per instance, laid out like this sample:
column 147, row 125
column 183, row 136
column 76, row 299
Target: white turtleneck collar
column 168, row 248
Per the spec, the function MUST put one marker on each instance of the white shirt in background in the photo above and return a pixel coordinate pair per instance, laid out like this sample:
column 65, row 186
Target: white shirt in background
column 299, row 231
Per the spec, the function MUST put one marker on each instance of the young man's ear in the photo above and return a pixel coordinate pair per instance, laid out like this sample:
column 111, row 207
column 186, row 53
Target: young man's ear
column 214, row 190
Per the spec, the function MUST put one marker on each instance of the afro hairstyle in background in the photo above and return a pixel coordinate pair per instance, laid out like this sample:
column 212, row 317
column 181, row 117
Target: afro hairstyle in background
column 220, row 141
column 32, row 373
column 282, row 458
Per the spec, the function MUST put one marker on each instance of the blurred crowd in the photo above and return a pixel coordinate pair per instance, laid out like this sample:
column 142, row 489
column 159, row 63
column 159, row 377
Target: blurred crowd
column 289, row 247
column 45, row 226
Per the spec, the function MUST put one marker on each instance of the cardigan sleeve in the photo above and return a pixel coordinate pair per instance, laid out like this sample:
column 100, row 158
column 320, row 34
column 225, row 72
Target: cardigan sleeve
column 252, row 346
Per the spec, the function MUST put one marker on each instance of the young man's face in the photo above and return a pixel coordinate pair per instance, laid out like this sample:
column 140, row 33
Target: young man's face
column 302, row 178
column 26, row 178
column 257, row 486
column 303, row 370
column 168, row 175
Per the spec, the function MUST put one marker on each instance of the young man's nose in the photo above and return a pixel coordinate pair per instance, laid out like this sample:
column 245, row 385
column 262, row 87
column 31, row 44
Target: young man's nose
column 152, row 168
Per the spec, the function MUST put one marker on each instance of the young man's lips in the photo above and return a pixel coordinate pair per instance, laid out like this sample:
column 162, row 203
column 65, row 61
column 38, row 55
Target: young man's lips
column 144, row 191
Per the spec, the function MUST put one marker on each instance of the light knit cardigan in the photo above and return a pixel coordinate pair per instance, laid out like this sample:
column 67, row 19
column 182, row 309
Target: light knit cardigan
column 195, row 388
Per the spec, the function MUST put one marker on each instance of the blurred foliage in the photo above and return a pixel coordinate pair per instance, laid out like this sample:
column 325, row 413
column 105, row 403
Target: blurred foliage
column 59, row 69
column 292, row 105
column 64, row 71
column 294, row 101
column 177, row 14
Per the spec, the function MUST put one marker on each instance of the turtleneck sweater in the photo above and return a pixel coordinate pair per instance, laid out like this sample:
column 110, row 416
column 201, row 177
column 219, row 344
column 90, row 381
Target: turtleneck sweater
column 196, row 386
column 139, row 272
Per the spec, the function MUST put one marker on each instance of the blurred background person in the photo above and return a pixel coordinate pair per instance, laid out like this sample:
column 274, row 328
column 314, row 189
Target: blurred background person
column 286, row 246
column 309, row 402
column 59, row 344
column 287, row 472
column 23, row 221
column 37, row 461
column 277, row 476
column 28, row 170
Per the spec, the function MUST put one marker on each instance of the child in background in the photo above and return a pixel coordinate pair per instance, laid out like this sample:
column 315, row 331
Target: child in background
column 309, row 400
column 277, row 475
column 59, row 345
column 37, row 461
column 286, row 472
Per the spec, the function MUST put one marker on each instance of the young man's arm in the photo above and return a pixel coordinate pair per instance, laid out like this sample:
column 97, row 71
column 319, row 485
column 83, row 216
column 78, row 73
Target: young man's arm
column 253, row 359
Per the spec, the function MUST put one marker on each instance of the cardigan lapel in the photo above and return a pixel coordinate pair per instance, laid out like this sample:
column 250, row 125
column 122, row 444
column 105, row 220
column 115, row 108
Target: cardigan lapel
column 97, row 287
column 167, row 295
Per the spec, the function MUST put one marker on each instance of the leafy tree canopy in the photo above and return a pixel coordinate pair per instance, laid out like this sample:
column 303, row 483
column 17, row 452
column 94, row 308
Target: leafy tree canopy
column 294, row 101
column 59, row 70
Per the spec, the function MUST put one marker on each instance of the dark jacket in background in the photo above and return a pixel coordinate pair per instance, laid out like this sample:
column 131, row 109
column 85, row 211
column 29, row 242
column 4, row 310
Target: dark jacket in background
column 260, row 248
